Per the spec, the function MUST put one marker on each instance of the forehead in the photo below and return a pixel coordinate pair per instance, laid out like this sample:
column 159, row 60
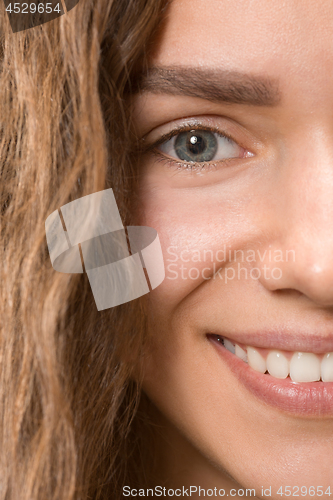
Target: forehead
column 270, row 36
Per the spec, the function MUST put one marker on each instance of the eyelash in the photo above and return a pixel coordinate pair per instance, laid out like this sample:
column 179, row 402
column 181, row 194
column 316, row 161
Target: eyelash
column 184, row 165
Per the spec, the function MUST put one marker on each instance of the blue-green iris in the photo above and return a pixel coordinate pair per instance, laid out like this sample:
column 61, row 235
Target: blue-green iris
column 196, row 145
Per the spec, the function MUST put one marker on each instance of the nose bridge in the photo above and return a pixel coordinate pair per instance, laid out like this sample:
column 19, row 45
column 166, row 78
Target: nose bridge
column 308, row 198
column 304, row 220
column 308, row 177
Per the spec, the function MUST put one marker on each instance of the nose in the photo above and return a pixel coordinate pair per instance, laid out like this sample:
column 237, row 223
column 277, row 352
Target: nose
column 301, row 233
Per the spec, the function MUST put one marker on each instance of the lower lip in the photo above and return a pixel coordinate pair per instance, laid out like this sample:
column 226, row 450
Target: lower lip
column 313, row 399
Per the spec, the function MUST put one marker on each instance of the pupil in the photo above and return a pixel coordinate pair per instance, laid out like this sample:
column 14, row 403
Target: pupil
column 197, row 145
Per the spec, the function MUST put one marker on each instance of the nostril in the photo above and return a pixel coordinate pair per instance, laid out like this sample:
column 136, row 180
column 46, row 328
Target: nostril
column 288, row 292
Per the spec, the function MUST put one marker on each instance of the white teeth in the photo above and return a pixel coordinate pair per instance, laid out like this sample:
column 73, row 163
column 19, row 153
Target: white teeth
column 277, row 364
column 229, row 345
column 304, row 367
column 240, row 353
column 327, row 367
column 255, row 360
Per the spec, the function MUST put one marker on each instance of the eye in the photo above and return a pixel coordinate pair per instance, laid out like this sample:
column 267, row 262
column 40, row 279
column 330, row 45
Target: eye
column 201, row 146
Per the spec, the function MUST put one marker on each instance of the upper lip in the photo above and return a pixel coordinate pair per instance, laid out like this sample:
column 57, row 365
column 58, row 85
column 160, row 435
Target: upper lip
column 283, row 339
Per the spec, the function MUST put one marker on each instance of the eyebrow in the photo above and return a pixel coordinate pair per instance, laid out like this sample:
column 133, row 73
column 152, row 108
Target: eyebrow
column 210, row 84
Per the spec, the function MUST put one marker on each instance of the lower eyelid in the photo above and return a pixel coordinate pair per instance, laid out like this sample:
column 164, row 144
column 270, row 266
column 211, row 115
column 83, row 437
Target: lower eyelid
column 191, row 166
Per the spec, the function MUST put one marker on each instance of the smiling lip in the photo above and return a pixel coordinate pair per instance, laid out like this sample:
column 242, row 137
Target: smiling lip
column 303, row 399
column 284, row 340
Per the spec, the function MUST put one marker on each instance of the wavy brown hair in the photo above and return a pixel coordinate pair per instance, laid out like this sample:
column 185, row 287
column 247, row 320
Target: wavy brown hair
column 67, row 395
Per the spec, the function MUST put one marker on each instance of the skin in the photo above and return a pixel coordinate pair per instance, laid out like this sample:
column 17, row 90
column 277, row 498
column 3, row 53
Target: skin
column 214, row 432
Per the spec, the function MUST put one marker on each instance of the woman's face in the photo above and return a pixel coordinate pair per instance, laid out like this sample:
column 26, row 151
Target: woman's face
column 237, row 178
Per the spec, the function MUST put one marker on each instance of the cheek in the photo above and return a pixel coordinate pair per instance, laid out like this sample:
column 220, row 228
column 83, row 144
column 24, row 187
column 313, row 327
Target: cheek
column 198, row 229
